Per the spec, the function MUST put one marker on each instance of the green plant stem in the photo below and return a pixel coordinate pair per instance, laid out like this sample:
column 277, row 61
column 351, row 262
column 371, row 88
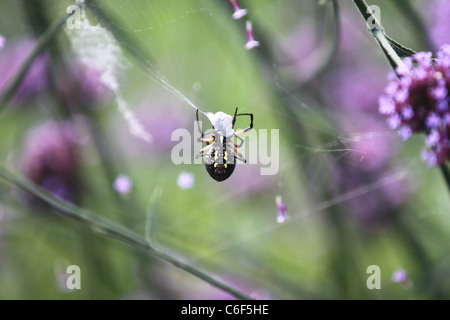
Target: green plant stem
column 446, row 173
column 378, row 33
column 114, row 230
column 334, row 48
column 41, row 45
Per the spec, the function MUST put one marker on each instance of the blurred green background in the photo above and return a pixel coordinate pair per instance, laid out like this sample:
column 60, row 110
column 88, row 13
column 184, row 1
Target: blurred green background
column 355, row 194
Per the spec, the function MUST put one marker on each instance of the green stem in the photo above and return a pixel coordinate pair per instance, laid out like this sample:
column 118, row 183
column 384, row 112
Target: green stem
column 446, row 173
column 330, row 57
column 378, row 33
column 114, row 230
column 41, row 45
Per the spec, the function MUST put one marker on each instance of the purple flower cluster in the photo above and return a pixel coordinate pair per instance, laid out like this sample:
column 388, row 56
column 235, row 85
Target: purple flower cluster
column 12, row 58
column 50, row 160
column 418, row 102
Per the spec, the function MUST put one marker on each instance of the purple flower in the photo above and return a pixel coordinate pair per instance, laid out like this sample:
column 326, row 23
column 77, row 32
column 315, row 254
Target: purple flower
column 444, row 55
column 50, row 159
column 81, row 86
column 238, row 12
column 394, row 121
column 433, row 121
column 186, row 180
column 11, row 59
column 407, row 112
column 433, row 138
column 2, row 42
column 386, row 105
column 123, row 184
column 405, row 133
column 251, row 42
column 429, row 157
column 281, row 217
column 400, row 276
column 417, row 101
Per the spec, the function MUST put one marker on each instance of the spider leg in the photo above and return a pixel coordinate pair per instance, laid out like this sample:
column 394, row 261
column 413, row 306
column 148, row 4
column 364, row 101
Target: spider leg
column 208, row 141
column 243, row 114
column 201, row 152
column 239, row 155
column 235, row 115
column 198, row 126
column 241, row 141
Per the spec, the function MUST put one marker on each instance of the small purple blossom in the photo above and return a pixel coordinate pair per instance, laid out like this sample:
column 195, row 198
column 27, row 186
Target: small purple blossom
column 433, row 138
column 407, row 112
column 400, row 276
column 401, row 95
column 2, row 42
column 424, row 59
column 444, row 55
column 391, row 88
column 442, row 105
column 386, row 105
column 186, row 180
column 447, row 119
column 429, row 157
column 439, row 93
column 433, row 120
column 281, row 217
column 404, row 69
column 394, row 121
column 417, row 101
column 405, row 133
column 123, row 184
column 251, row 42
column 238, row 11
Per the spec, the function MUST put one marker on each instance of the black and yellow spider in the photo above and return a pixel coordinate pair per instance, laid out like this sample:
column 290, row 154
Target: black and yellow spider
column 221, row 151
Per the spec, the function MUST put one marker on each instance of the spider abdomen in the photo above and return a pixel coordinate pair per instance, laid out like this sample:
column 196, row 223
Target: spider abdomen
column 220, row 163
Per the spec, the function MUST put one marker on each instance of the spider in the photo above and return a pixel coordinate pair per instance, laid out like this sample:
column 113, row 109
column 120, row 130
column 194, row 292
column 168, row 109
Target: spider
column 220, row 151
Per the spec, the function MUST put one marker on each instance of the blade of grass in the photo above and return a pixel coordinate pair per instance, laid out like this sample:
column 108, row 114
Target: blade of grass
column 114, row 230
column 152, row 213
column 446, row 174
